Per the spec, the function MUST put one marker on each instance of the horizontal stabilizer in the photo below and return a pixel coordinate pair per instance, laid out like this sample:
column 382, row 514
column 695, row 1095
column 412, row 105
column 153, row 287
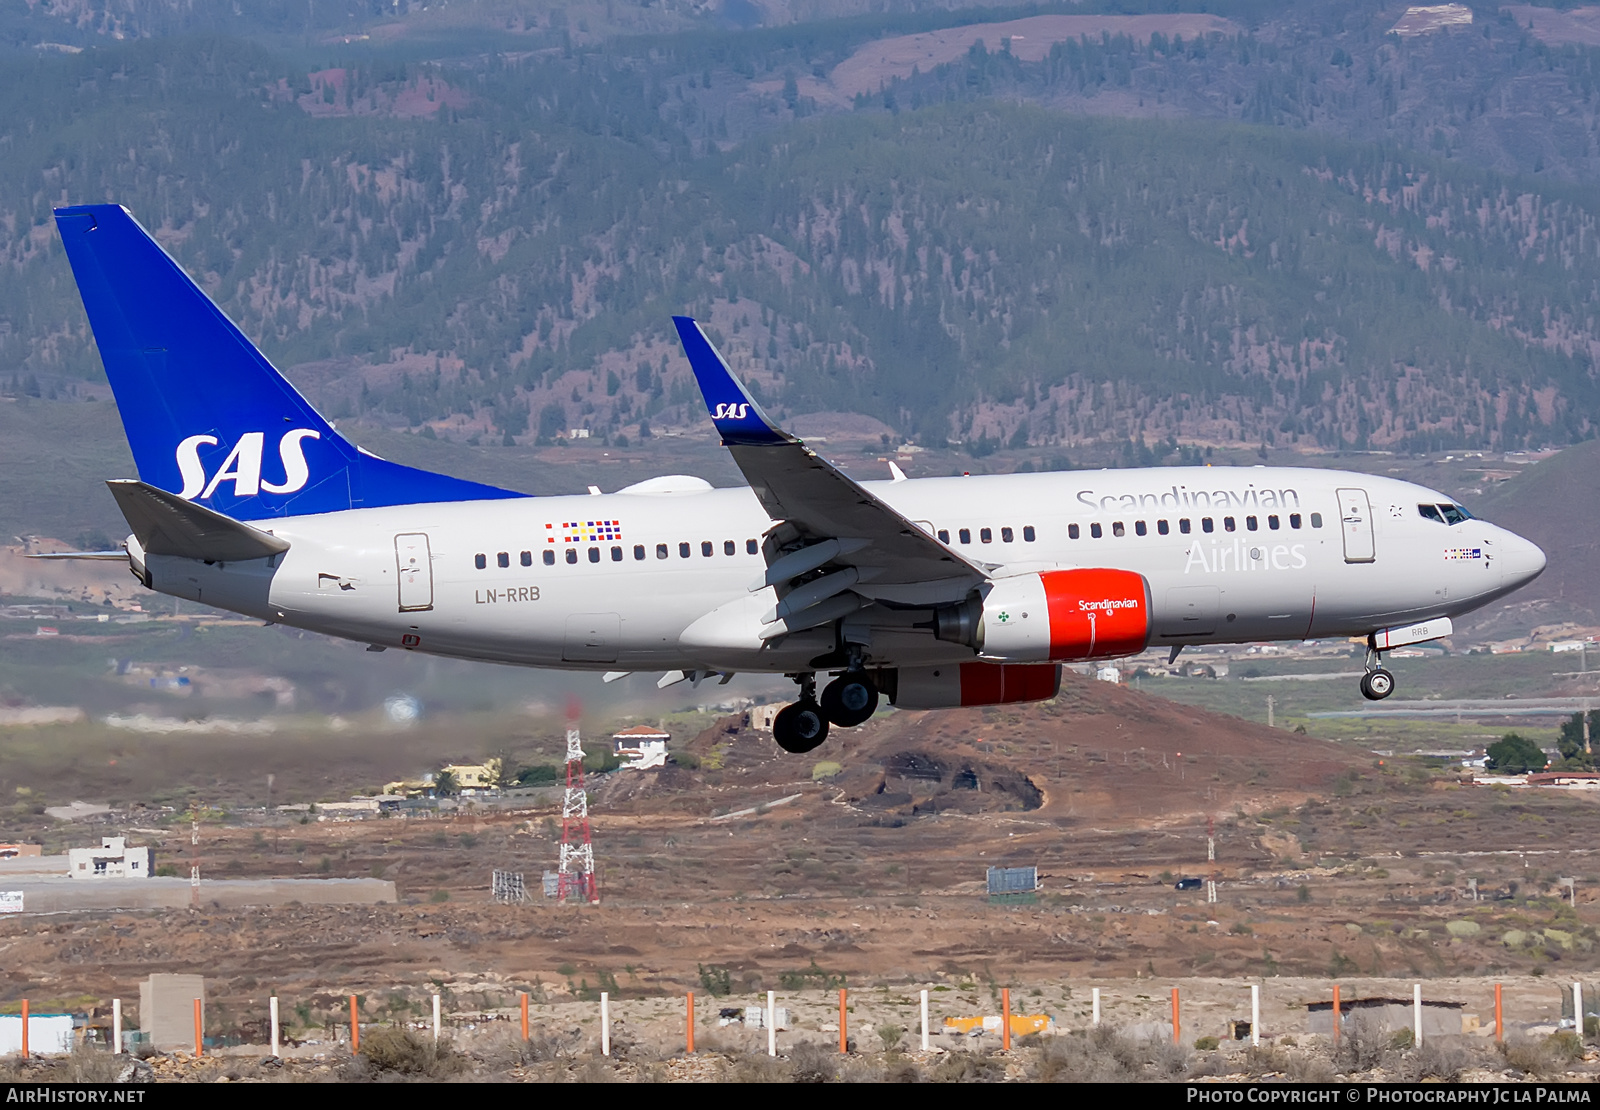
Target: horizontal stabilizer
column 107, row 555
column 166, row 524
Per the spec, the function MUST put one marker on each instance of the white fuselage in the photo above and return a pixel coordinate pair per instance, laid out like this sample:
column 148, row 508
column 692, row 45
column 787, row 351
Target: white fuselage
column 663, row 581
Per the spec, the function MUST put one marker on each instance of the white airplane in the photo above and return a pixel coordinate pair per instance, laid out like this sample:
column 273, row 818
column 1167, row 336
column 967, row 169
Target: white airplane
column 934, row 592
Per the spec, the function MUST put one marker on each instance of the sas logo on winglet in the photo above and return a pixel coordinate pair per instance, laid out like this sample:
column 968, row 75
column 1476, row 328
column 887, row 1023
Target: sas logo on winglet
column 725, row 411
column 242, row 467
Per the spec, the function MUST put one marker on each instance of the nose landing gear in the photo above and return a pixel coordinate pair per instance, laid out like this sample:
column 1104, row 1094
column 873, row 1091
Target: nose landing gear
column 1377, row 683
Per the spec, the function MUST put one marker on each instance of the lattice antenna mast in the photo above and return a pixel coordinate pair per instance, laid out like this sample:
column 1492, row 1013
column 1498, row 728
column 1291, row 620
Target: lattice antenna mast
column 576, row 871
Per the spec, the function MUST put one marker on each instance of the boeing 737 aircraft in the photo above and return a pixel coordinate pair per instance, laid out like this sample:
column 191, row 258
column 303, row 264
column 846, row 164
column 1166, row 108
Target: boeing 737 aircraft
column 934, row 592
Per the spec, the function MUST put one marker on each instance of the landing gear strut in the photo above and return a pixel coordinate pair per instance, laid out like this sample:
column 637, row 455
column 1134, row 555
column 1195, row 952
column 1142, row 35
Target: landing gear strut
column 802, row 726
column 1377, row 683
column 850, row 699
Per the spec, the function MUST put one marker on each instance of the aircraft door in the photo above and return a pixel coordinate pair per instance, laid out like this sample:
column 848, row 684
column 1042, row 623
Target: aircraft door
column 414, row 561
column 1355, row 522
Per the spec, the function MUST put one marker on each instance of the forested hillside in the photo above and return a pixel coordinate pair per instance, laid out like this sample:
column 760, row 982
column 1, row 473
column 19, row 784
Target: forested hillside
column 490, row 244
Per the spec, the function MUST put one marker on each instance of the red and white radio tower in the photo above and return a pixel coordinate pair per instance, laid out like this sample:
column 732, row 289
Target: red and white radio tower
column 576, row 873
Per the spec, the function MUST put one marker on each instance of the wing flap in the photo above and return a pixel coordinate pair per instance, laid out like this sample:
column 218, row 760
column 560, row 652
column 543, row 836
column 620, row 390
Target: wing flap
column 166, row 524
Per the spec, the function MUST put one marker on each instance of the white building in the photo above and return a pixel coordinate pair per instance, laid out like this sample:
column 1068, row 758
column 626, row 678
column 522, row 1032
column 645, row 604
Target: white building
column 112, row 860
column 641, row 747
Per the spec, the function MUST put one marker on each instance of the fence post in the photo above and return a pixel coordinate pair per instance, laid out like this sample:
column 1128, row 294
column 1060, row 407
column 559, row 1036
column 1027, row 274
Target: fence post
column 1499, row 1017
column 772, row 1023
column 1577, row 1009
column 1177, row 1037
column 924, row 1021
column 199, row 1029
column 605, row 1023
column 272, row 1007
column 435, row 1019
column 1255, row 1013
column 116, row 1025
column 355, row 1027
column 24, row 1028
column 844, row 1035
column 1416, row 1014
column 523, row 995
column 1005, row 1019
column 1096, row 996
column 690, row 1019
column 1336, row 1014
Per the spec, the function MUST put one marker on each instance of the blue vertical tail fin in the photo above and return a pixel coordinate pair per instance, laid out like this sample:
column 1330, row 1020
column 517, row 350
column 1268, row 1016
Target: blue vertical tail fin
column 207, row 416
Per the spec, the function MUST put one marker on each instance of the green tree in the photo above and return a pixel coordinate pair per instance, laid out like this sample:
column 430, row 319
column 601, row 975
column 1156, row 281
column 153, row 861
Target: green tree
column 444, row 784
column 1515, row 755
column 1571, row 740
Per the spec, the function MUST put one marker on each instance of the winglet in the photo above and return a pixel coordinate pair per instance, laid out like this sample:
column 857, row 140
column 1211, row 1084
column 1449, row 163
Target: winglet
column 737, row 416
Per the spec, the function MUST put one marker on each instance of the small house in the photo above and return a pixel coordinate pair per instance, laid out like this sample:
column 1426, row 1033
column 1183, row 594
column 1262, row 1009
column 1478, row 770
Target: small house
column 641, row 747
column 113, row 859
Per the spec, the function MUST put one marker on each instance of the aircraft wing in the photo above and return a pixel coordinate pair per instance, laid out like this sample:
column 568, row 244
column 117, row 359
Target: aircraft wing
column 830, row 514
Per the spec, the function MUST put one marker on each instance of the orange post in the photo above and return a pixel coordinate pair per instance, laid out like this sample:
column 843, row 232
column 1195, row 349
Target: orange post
column 24, row 1028
column 355, row 1027
column 1336, row 1013
column 524, row 996
column 1499, row 1016
column 1005, row 1018
column 690, row 1019
column 1176, row 1035
column 199, row 1030
column 844, row 1035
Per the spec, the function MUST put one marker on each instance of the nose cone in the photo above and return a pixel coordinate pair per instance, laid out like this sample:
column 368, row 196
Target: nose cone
column 1521, row 561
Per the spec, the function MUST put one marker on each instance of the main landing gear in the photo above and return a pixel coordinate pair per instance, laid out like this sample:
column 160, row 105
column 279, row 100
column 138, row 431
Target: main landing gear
column 1377, row 683
column 847, row 701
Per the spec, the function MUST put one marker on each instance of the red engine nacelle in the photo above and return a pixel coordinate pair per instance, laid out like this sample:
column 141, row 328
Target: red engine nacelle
column 1058, row 615
column 960, row 684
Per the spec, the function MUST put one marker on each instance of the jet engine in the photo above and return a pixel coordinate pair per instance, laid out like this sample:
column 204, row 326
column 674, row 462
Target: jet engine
column 1057, row 615
column 959, row 684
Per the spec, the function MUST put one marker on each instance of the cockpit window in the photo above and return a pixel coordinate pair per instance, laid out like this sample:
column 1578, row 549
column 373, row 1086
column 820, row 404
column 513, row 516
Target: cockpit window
column 1444, row 514
column 1430, row 512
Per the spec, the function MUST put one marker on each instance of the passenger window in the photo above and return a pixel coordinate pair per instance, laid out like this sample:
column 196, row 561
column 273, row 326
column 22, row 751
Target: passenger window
column 594, row 554
column 751, row 547
column 1316, row 520
column 1250, row 523
column 1117, row 529
column 1139, row 528
column 661, row 551
column 504, row 559
column 638, row 552
column 944, row 535
column 616, row 554
column 549, row 557
column 1184, row 526
column 527, row 558
column 1206, row 525
column 1095, row 530
column 1028, row 534
column 480, row 561
column 572, row 554
column 683, row 551
column 1007, row 535
column 705, row 548
column 965, row 535
column 1072, row 532
column 728, row 547
column 985, row 535
column 1163, row 527
column 1227, row 524
column 1294, row 520
column 1272, row 522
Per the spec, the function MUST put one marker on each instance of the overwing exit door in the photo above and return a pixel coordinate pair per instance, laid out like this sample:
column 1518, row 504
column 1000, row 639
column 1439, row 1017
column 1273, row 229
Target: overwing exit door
column 1355, row 522
column 415, row 564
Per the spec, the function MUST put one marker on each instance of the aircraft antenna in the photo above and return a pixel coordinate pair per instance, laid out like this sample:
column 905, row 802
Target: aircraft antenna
column 575, row 875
